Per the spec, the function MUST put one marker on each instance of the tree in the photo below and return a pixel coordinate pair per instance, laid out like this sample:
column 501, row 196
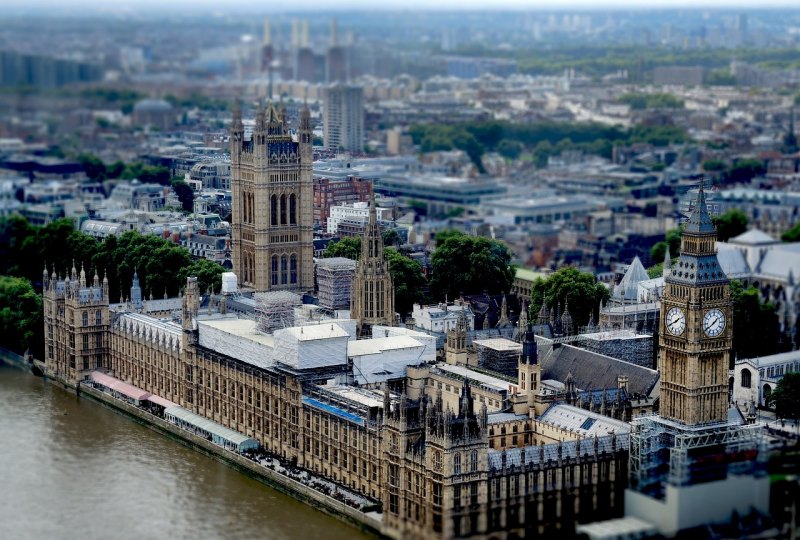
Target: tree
column 407, row 278
column 208, row 274
column 744, row 170
column 714, row 165
column 731, row 223
column 786, row 397
column 792, row 235
column 469, row 264
column 346, row 247
column 755, row 324
column 93, row 166
column 21, row 320
column 580, row 291
column 510, row 149
column 672, row 241
column 391, row 238
column 184, row 193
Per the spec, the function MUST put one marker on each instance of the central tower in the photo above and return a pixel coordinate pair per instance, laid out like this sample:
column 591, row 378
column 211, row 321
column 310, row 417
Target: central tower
column 695, row 330
column 272, row 206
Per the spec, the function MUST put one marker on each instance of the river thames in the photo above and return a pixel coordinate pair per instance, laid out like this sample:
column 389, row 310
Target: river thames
column 73, row 469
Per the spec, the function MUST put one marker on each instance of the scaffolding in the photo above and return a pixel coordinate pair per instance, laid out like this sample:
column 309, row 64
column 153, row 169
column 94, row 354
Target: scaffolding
column 666, row 452
column 335, row 282
column 275, row 310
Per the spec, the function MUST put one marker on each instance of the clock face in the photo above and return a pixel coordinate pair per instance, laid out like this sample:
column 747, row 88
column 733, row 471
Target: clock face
column 713, row 322
column 675, row 321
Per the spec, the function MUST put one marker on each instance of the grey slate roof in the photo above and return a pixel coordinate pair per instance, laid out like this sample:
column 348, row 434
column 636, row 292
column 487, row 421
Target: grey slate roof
column 753, row 237
column 699, row 221
column 593, row 370
column 535, row 455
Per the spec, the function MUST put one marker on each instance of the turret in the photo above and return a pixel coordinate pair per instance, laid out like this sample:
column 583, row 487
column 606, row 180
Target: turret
column 667, row 266
column 567, row 326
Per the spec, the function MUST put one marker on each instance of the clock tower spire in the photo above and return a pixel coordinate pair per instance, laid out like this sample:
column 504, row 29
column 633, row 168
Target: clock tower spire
column 695, row 331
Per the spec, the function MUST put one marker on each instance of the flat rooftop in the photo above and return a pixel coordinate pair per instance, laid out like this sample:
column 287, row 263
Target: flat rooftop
column 495, row 383
column 243, row 328
column 499, row 344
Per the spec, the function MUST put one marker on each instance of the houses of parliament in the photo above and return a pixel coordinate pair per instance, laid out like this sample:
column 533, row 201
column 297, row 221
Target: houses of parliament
column 446, row 451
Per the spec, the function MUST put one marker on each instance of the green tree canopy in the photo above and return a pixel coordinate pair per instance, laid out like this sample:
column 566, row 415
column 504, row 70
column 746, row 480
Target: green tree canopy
column 792, row 235
column 672, row 241
column 345, row 247
column 469, row 264
column 786, row 396
column 391, row 238
column 755, row 324
column 409, row 282
column 184, row 193
column 745, row 170
column 714, row 165
column 208, row 274
column 569, row 286
column 638, row 101
column 21, row 321
column 731, row 223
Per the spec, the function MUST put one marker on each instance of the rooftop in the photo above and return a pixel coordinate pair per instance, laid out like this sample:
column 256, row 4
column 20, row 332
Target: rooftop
column 495, row 383
column 499, row 344
column 362, row 347
column 244, row 328
column 587, row 423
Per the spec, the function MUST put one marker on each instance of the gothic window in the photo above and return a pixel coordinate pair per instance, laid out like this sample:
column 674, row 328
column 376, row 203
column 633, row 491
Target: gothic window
column 437, row 461
column 457, row 464
column 85, row 318
column 274, row 210
column 274, row 268
column 283, row 209
column 292, row 209
column 284, row 271
column 98, row 317
column 473, row 461
column 746, row 378
column 293, row 268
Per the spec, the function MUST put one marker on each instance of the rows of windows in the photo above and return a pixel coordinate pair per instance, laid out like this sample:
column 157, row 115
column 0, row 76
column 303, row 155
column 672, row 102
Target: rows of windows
column 284, row 269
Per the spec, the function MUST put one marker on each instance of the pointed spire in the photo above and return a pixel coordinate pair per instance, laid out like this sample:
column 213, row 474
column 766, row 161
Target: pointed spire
column 261, row 118
column 74, row 275
column 503, row 312
column 305, row 117
column 236, row 123
column 667, row 267
column 96, row 280
column 699, row 219
column 543, row 317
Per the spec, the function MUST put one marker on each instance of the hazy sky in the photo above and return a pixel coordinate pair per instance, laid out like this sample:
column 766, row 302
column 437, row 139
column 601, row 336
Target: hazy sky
column 283, row 6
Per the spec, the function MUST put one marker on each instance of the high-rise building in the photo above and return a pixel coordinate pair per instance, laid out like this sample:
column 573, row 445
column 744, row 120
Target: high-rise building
column 272, row 203
column 343, row 118
column 373, row 291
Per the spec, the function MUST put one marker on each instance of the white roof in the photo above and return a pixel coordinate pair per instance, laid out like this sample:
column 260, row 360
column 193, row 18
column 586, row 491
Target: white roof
column 587, row 423
column 362, row 347
column 494, row 382
column 499, row 344
column 773, row 359
column 243, row 328
column 370, row 398
column 314, row 331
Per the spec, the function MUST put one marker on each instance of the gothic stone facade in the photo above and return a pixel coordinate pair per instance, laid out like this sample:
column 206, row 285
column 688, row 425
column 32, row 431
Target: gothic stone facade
column 430, row 465
column 272, row 203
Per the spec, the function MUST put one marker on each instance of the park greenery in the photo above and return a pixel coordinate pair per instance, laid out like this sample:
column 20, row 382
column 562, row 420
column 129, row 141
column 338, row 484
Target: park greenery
column 20, row 315
column 785, row 399
column 569, row 288
column 536, row 141
column 755, row 323
column 730, row 224
column 792, row 235
column 672, row 240
column 639, row 102
column 463, row 264
column 741, row 171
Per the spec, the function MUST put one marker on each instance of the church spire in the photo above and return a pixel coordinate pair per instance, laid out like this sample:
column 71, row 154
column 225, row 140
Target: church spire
column 699, row 219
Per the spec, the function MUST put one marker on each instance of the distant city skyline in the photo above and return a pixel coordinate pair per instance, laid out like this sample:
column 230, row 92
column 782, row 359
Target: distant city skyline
column 113, row 6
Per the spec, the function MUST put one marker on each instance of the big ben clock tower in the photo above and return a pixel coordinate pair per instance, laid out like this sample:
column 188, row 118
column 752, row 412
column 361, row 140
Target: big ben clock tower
column 695, row 329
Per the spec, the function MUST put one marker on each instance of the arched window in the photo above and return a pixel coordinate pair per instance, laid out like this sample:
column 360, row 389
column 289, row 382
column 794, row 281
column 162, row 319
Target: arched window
column 273, row 210
column 98, row 317
column 292, row 209
column 85, row 318
column 274, row 266
column 767, row 396
column 746, row 378
column 457, row 464
column 283, row 209
column 473, row 461
column 293, row 268
column 284, row 272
